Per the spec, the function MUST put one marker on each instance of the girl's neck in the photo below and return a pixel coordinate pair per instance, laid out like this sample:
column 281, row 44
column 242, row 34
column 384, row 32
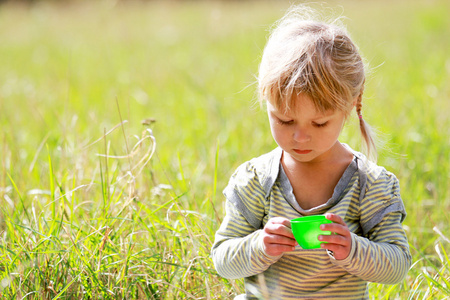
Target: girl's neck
column 313, row 182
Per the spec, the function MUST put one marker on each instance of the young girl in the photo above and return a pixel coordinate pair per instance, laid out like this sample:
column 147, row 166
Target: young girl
column 311, row 77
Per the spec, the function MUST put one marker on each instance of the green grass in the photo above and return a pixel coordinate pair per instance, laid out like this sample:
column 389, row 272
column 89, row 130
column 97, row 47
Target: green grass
column 96, row 204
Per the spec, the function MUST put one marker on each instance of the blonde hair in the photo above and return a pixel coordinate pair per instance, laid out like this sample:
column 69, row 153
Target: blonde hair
column 315, row 58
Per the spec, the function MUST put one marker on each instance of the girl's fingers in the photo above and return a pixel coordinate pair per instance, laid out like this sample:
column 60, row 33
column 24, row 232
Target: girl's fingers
column 280, row 221
column 279, row 226
column 278, row 240
column 335, row 228
column 277, row 237
column 276, row 249
column 335, row 239
column 335, row 218
column 340, row 241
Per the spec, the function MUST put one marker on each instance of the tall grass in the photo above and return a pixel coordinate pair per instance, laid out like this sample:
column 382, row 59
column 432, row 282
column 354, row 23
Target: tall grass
column 122, row 122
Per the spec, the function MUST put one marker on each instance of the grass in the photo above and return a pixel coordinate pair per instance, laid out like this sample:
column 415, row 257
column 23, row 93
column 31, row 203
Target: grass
column 122, row 122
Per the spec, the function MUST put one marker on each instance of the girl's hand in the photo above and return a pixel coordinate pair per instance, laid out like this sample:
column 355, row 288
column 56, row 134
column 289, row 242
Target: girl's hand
column 277, row 237
column 340, row 241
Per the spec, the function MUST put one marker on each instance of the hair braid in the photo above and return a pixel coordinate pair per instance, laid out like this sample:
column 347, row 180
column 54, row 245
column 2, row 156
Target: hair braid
column 359, row 102
column 366, row 130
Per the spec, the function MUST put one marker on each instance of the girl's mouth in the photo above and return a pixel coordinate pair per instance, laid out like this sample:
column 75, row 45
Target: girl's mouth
column 302, row 151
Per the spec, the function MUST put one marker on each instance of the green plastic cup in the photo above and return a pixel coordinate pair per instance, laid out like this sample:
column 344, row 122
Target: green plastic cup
column 306, row 230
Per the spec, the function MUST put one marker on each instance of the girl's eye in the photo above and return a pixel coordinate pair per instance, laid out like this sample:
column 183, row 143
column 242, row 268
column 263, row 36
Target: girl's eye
column 320, row 124
column 281, row 122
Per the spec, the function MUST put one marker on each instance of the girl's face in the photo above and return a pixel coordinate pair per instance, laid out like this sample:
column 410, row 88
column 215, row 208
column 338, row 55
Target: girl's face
column 305, row 134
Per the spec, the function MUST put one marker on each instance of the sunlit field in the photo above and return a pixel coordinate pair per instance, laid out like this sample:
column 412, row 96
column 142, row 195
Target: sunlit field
column 121, row 123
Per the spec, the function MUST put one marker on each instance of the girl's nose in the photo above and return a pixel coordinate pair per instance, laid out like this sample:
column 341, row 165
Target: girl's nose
column 301, row 135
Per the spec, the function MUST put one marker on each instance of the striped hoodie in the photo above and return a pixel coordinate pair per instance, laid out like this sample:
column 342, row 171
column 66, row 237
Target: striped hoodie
column 367, row 198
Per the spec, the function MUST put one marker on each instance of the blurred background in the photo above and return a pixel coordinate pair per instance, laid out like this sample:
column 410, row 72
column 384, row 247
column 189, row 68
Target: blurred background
column 122, row 121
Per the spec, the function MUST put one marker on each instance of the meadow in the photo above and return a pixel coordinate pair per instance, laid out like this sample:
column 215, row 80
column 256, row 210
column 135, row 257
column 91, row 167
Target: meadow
column 122, row 121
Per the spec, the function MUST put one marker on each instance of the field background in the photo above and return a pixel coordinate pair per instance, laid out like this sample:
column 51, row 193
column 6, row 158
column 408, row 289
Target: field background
column 121, row 123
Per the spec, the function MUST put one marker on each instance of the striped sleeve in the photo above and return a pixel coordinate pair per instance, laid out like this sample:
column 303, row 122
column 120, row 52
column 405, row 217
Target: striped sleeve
column 238, row 251
column 384, row 256
column 382, row 196
column 246, row 193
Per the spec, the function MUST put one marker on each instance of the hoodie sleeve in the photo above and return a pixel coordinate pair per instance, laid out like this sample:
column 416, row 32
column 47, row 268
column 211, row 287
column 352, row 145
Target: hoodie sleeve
column 237, row 251
column 382, row 254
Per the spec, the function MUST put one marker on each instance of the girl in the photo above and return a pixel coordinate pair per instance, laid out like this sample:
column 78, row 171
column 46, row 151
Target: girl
column 311, row 77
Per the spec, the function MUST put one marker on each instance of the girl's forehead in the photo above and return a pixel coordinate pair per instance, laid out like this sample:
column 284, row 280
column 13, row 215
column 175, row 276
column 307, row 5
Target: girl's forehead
column 300, row 104
column 304, row 107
